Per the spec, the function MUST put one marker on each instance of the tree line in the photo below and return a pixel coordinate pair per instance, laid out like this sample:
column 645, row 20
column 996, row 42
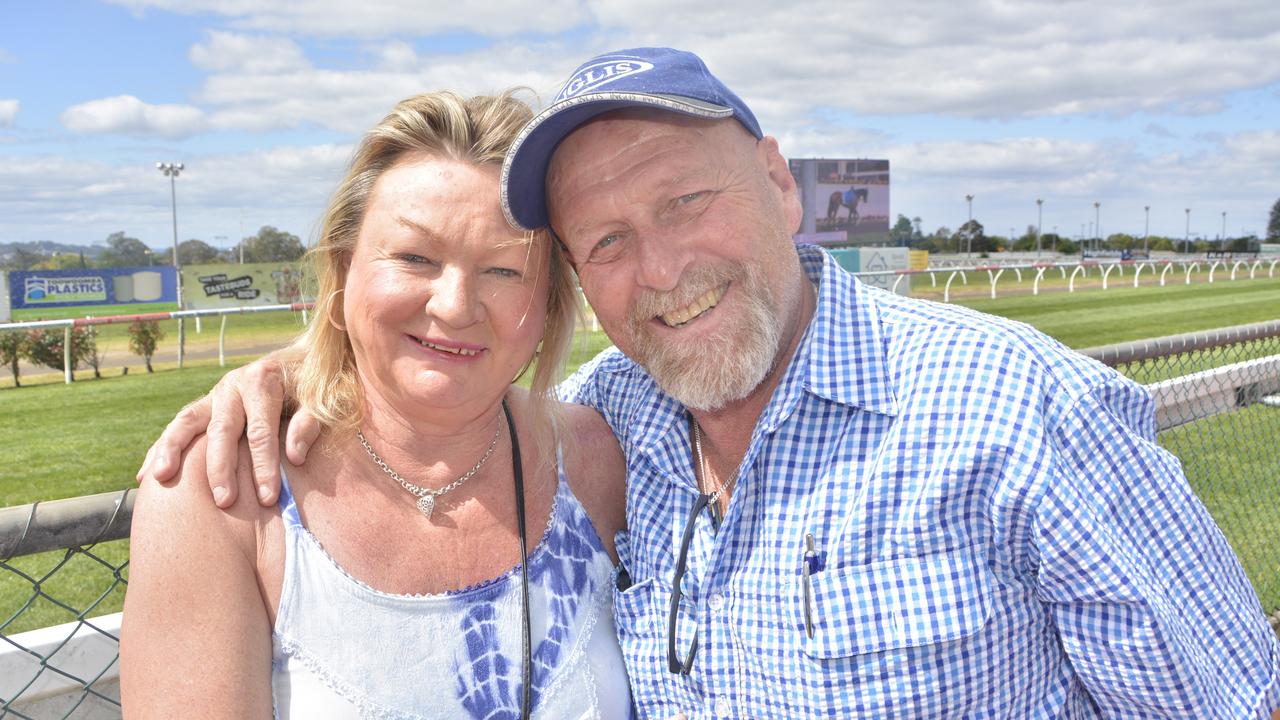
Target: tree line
column 973, row 237
column 122, row 250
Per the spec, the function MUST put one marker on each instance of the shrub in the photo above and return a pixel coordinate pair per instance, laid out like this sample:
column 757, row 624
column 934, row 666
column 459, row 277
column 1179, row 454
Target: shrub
column 44, row 347
column 92, row 357
column 144, row 335
column 13, row 349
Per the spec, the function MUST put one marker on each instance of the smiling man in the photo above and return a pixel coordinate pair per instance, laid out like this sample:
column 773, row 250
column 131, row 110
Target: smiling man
column 842, row 502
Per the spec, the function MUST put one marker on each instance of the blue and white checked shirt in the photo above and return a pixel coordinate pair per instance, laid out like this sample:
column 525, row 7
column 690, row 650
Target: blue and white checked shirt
column 1000, row 536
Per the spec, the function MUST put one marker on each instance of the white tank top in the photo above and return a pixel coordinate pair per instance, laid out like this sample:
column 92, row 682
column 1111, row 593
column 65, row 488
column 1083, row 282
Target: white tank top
column 342, row 649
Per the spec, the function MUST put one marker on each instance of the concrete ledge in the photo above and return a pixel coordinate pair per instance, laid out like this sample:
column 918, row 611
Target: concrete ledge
column 1202, row 394
column 77, row 655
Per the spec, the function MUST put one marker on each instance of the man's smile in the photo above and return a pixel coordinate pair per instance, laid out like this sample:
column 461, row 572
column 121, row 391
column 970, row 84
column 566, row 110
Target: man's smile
column 705, row 302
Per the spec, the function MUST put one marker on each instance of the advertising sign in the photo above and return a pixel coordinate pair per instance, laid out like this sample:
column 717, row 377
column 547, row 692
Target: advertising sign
column 876, row 259
column 849, row 196
column 230, row 285
column 42, row 289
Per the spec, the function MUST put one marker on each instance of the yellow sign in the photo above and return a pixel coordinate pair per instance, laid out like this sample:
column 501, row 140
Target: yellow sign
column 229, row 285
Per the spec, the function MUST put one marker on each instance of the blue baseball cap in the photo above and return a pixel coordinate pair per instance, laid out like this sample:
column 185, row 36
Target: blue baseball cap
column 660, row 78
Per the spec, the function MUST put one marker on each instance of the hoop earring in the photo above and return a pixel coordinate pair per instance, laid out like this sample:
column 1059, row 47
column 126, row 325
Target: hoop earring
column 537, row 353
column 335, row 302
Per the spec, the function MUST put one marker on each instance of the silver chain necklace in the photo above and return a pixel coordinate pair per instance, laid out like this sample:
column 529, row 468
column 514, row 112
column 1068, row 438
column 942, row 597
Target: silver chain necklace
column 713, row 498
column 426, row 496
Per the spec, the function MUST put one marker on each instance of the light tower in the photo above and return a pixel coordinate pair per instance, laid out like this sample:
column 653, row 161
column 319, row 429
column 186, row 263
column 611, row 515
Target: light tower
column 171, row 171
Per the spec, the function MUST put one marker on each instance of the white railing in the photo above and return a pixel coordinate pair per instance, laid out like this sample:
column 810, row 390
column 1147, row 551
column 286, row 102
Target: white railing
column 1077, row 269
column 70, row 323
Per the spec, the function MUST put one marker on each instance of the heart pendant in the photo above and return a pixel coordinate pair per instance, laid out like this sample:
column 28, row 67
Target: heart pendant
column 426, row 504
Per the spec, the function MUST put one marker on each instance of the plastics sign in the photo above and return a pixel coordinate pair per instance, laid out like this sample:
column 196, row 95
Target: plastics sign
column 106, row 286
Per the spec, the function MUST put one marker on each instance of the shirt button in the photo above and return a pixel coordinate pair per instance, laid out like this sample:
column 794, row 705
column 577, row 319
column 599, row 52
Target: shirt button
column 722, row 707
column 716, row 603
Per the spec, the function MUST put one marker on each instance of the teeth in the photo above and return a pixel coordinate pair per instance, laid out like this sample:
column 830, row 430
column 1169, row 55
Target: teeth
column 453, row 351
column 696, row 308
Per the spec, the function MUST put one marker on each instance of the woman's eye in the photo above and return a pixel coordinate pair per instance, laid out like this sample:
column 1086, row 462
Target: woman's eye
column 412, row 259
column 505, row 272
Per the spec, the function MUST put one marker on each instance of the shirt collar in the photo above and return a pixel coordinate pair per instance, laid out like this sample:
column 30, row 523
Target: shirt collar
column 842, row 357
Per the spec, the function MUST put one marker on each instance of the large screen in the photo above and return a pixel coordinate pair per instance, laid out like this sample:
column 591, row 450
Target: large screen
column 849, row 197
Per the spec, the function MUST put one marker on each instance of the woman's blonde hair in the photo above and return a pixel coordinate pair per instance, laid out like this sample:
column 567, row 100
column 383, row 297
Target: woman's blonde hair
column 476, row 130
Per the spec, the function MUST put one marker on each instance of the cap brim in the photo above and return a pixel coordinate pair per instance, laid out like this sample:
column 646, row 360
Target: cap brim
column 524, row 170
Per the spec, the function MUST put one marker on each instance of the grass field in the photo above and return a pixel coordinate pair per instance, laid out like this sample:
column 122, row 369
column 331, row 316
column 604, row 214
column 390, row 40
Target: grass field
column 62, row 441
column 1238, row 488
column 79, row 311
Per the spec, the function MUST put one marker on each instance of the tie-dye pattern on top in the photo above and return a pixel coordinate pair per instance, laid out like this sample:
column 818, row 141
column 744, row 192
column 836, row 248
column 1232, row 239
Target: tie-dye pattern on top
column 342, row 649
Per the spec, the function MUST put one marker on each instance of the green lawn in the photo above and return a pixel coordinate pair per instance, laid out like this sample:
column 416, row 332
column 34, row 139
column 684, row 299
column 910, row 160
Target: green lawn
column 79, row 311
column 1238, row 487
column 62, row 441
column 1095, row 317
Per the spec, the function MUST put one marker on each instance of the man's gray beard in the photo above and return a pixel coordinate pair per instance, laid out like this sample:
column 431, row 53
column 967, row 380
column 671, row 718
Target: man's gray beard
column 724, row 367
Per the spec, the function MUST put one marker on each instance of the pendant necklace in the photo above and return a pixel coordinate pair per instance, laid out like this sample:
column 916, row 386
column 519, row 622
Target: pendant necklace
column 713, row 498
column 426, row 496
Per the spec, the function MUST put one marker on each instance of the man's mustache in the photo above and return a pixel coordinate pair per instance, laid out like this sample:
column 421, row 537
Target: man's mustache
column 693, row 284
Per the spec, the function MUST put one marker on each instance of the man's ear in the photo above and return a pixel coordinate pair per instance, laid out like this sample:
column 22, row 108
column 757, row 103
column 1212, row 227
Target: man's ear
column 782, row 180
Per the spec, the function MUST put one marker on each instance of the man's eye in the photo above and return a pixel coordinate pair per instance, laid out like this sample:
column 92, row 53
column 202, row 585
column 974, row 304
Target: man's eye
column 608, row 248
column 689, row 197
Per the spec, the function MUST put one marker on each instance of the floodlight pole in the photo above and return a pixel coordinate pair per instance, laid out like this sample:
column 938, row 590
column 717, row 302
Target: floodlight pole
column 1223, row 243
column 1186, row 237
column 1097, row 225
column 171, row 171
column 1146, row 228
column 1039, row 220
column 969, row 235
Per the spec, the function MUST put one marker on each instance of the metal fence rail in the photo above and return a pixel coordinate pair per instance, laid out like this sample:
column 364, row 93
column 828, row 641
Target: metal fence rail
column 1217, row 396
column 69, row 669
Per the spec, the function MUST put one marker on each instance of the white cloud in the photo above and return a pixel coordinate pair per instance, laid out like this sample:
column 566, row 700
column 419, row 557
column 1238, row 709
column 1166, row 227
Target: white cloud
column 83, row 200
column 352, row 100
column 376, row 18
column 8, row 111
column 969, row 59
column 225, row 51
column 128, row 115
column 930, row 179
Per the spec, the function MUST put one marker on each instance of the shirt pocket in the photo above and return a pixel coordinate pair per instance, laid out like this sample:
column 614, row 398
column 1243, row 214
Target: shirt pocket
column 633, row 609
column 897, row 604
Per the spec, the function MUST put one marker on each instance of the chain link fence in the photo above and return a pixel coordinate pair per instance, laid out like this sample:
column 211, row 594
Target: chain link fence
column 62, row 578
column 1217, row 396
column 1218, row 409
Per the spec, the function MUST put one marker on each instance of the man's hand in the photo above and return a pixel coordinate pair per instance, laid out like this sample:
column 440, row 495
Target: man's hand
column 246, row 401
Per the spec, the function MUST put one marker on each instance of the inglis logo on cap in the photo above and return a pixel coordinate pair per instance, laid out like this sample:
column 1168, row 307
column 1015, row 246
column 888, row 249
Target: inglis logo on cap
column 601, row 73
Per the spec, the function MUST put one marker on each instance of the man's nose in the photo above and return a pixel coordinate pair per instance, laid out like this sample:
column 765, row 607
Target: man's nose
column 454, row 299
column 663, row 257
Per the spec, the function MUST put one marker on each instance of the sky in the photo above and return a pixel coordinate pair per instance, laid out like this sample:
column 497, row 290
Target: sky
column 1171, row 105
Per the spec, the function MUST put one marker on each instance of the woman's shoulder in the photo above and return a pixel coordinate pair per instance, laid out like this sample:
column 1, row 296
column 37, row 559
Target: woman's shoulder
column 595, row 468
column 185, row 508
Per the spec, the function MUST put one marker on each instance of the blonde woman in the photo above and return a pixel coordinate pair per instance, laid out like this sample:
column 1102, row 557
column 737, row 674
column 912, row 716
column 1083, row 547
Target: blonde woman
column 440, row 554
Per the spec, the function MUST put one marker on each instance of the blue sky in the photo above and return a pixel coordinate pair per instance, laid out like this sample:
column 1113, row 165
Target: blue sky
column 1173, row 104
